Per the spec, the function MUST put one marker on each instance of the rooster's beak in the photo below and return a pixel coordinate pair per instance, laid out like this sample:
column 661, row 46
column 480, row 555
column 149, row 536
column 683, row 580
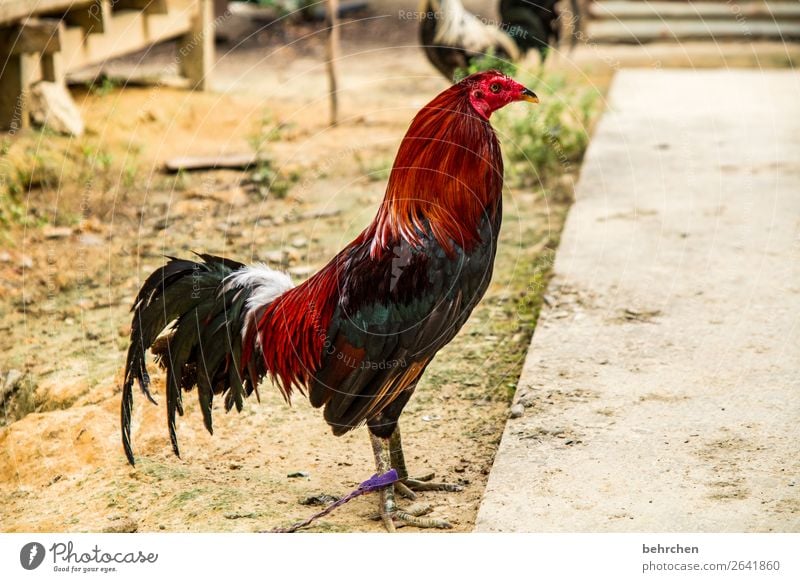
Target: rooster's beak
column 528, row 95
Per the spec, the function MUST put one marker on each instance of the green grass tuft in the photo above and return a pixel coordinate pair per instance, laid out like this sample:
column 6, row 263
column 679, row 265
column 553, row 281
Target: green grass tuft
column 486, row 62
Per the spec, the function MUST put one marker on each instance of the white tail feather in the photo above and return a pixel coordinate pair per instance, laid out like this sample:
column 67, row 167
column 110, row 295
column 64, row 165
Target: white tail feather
column 266, row 286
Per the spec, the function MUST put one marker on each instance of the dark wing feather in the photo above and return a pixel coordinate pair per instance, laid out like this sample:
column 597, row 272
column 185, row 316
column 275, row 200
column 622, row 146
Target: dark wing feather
column 533, row 24
column 391, row 323
column 204, row 319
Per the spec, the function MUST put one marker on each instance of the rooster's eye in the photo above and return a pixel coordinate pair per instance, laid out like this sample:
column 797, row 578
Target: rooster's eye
column 494, row 87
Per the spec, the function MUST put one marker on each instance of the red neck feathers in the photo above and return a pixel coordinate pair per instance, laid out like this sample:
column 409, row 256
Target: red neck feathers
column 448, row 173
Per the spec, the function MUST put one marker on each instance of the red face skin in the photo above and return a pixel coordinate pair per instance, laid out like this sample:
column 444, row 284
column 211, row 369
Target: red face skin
column 492, row 90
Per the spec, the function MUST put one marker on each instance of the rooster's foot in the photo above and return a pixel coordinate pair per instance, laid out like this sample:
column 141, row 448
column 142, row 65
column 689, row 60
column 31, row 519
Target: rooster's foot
column 394, row 517
column 391, row 515
column 409, row 485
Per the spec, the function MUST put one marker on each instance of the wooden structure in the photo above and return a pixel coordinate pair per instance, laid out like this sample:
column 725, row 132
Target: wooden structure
column 46, row 39
column 642, row 21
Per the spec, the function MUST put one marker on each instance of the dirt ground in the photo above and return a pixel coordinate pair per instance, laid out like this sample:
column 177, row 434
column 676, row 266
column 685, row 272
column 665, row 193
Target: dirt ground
column 100, row 215
column 97, row 215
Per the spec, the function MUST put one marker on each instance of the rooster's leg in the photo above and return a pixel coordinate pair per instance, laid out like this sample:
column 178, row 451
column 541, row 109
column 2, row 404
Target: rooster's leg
column 389, row 512
column 407, row 485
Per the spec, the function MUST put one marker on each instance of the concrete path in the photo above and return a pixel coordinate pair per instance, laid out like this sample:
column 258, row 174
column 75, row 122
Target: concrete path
column 662, row 386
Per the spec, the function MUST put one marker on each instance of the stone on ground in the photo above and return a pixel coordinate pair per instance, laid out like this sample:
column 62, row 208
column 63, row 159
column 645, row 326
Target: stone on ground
column 51, row 106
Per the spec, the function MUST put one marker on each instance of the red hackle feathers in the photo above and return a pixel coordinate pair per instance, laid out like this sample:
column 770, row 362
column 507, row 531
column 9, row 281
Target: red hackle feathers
column 447, row 166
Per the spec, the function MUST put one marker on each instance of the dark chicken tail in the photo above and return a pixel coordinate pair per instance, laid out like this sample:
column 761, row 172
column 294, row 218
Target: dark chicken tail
column 537, row 25
column 206, row 306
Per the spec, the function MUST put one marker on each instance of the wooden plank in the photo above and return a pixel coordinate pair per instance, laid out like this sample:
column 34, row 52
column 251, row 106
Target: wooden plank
column 638, row 31
column 148, row 6
column 53, row 68
column 104, row 33
column 695, row 10
column 31, row 36
column 72, row 51
column 196, row 48
column 228, row 162
column 31, row 72
column 92, row 18
column 92, row 32
column 176, row 22
column 18, row 74
column 12, row 10
column 11, row 95
column 126, row 31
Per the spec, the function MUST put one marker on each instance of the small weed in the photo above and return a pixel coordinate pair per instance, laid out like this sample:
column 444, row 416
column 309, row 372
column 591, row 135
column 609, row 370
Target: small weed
column 162, row 471
column 485, row 63
column 129, row 174
column 266, row 181
column 184, row 497
column 96, row 166
column 374, row 169
column 38, row 169
column 269, row 131
column 181, row 181
column 102, row 86
column 12, row 211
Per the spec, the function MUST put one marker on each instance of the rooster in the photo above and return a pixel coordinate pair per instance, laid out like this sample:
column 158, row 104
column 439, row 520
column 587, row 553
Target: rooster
column 451, row 37
column 357, row 336
column 534, row 24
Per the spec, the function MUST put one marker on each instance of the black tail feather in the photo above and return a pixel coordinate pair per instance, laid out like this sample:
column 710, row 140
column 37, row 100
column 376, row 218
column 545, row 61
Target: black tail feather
column 204, row 348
